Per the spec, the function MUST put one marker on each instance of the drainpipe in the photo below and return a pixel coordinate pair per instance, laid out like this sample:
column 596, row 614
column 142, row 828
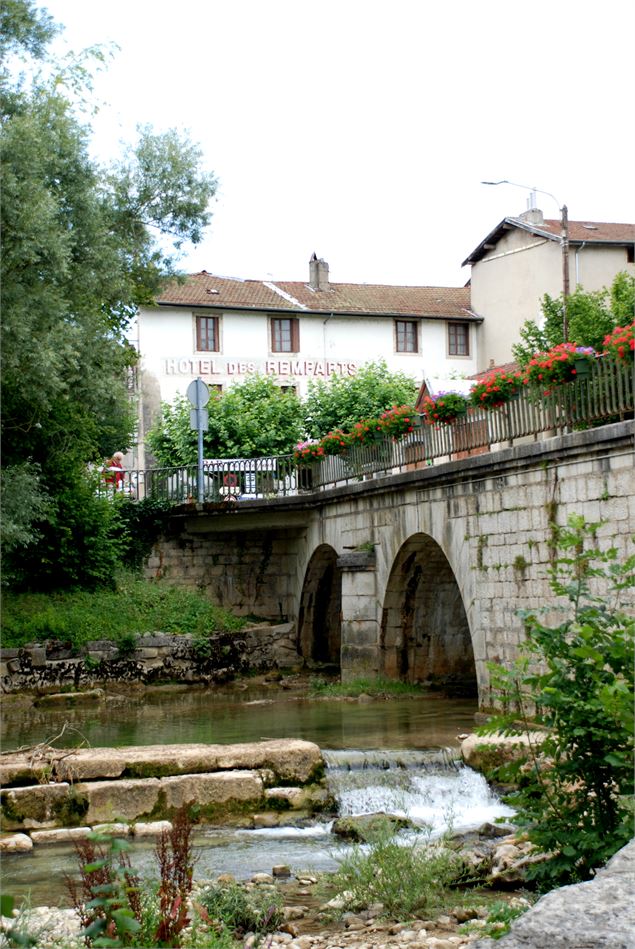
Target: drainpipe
column 577, row 263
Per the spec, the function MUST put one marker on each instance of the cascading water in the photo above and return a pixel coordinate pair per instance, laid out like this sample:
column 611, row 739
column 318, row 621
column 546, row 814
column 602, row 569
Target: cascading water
column 430, row 787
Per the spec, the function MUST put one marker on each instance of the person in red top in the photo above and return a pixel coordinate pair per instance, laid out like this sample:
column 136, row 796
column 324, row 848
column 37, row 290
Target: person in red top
column 115, row 471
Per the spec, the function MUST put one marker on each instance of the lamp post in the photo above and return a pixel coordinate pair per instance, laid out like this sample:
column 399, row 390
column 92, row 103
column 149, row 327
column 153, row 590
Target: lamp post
column 564, row 245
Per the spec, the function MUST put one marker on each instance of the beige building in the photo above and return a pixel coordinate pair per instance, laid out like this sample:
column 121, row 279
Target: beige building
column 521, row 259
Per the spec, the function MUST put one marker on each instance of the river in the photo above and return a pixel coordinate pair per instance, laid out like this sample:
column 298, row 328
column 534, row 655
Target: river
column 397, row 755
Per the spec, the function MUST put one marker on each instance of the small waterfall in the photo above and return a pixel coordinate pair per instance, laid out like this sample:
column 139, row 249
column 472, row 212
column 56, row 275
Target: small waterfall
column 431, row 787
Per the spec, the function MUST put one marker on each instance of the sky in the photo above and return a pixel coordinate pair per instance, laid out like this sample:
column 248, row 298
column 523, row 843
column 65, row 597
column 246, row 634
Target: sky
column 361, row 129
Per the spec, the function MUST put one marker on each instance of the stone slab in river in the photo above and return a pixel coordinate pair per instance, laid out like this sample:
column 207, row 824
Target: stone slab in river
column 290, row 760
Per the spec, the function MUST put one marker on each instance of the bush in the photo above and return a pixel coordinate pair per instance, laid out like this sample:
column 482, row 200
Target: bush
column 575, row 800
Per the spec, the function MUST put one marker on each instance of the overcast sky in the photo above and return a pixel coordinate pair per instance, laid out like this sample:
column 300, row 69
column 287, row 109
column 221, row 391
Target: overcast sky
column 360, row 129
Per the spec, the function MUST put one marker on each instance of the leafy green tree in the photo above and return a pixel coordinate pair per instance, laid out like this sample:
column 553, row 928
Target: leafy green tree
column 251, row 419
column 343, row 400
column 82, row 247
column 591, row 315
column 575, row 798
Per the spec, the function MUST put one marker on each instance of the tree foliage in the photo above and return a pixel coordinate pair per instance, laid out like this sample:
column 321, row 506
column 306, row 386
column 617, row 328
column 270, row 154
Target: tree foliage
column 251, row 419
column 341, row 401
column 591, row 315
column 256, row 417
column 575, row 799
column 82, row 247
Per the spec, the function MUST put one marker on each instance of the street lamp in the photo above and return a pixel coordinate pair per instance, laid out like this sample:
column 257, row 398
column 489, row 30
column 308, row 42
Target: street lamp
column 564, row 244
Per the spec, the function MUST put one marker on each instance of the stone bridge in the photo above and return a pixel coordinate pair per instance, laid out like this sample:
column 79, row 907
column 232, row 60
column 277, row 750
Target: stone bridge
column 416, row 576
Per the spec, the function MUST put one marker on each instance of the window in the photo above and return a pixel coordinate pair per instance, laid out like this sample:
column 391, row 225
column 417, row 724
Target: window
column 207, row 334
column 285, row 336
column 407, row 336
column 458, row 339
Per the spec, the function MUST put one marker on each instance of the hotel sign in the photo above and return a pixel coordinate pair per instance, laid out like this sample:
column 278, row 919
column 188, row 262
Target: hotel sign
column 305, row 368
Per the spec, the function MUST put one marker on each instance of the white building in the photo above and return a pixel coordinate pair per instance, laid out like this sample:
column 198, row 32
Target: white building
column 224, row 329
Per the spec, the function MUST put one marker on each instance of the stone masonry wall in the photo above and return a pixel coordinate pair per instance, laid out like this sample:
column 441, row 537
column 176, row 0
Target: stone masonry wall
column 246, row 572
column 45, row 667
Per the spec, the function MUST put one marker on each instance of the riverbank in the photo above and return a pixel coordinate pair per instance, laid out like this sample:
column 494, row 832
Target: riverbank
column 599, row 913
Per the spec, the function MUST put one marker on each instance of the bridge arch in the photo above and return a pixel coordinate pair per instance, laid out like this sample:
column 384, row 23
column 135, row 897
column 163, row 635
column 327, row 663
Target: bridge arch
column 320, row 611
column 425, row 634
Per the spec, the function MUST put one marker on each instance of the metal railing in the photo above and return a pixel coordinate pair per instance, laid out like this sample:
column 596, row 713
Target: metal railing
column 605, row 395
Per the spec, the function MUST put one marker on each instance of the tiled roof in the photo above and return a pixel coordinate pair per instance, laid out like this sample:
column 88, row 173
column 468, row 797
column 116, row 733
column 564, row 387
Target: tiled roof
column 589, row 232
column 206, row 290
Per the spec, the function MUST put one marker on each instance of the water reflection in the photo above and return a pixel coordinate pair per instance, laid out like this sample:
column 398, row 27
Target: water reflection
column 159, row 717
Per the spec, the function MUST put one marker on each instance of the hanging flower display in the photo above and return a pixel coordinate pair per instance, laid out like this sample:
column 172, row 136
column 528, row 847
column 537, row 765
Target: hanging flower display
column 444, row 407
column 305, row 453
column 398, row 421
column 561, row 364
column 335, row 442
column 620, row 344
column 496, row 388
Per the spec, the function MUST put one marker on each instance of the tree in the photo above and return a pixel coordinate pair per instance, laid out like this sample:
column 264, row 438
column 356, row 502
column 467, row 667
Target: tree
column 341, row 401
column 591, row 316
column 575, row 799
column 252, row 419
column 82, row 247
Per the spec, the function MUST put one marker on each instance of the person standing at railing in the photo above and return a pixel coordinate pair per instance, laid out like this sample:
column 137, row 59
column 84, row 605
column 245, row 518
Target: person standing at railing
column 115, row 471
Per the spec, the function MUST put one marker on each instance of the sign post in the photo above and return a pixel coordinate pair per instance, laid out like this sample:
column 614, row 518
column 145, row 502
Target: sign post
column 198, row 394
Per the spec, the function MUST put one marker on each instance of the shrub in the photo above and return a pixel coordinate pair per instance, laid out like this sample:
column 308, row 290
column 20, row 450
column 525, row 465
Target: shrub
column 444, row 407
column 575, row 801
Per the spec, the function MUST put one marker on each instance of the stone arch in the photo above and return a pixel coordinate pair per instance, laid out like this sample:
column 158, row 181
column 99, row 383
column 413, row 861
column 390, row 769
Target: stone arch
column 425, row 634
column 320, row 613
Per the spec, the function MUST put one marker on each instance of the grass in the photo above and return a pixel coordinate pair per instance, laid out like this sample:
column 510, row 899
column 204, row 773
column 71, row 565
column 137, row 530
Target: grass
column 134, row 607
column 375, row 687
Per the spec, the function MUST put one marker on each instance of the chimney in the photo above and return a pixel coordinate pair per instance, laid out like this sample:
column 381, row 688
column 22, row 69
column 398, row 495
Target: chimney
column 532, row 216
column 318, row 273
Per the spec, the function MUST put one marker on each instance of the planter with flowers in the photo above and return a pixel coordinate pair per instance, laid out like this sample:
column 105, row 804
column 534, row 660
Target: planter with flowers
column 335, row 442
column 398, row 421
column 444, row 407
column 561, row 364
column 306, row 453
column 496, row 388
column 620, row 344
